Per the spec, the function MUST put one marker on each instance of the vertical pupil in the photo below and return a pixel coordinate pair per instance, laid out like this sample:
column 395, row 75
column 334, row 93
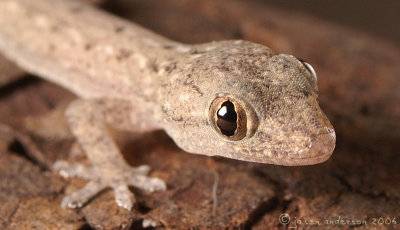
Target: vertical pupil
column 227, row 118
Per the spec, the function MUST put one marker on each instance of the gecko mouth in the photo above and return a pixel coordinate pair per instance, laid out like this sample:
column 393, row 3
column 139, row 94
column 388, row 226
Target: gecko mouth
column 320, row 150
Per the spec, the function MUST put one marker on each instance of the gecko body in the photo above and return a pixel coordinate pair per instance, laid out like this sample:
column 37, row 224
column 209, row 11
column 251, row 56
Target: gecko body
column 234, row 99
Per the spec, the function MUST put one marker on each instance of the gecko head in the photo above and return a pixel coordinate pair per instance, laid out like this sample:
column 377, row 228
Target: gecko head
column 240, row 101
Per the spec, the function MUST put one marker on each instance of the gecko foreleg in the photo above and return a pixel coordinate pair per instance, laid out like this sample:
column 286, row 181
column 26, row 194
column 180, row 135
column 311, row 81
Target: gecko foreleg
column 87, row 120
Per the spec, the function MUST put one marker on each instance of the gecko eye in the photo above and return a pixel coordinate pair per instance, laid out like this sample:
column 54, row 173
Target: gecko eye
column 228, row 118
column 309, row 68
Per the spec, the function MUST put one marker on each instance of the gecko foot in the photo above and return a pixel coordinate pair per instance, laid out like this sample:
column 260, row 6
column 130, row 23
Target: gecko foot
column 100, row 178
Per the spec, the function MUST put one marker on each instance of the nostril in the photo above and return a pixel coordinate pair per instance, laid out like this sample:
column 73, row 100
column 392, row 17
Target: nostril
column 327, row 141
column 322, row 143
column 331, row 132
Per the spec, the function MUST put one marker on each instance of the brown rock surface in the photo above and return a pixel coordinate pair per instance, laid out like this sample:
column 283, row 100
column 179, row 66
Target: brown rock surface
column 359, row 90
column 8, row 72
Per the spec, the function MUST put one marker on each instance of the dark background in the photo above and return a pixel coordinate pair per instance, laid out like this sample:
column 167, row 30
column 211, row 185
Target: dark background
column 378, row 18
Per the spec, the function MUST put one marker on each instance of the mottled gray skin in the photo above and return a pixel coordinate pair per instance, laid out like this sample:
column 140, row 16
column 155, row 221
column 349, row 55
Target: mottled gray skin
column 132, row 79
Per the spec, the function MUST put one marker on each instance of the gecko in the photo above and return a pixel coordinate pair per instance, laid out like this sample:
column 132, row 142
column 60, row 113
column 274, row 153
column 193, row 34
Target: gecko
column 234, row 98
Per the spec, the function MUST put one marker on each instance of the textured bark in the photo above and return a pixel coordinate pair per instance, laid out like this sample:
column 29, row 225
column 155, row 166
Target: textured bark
column 359, row 91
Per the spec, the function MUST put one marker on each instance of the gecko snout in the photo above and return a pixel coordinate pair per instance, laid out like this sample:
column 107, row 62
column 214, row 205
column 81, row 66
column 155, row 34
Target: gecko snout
column 321, row 146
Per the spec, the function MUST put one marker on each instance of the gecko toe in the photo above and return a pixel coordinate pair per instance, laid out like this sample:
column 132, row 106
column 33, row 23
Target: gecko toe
column 68, row 170
column 142, row 170
column 124, row 197
column 150, row 184
column 78, row 198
